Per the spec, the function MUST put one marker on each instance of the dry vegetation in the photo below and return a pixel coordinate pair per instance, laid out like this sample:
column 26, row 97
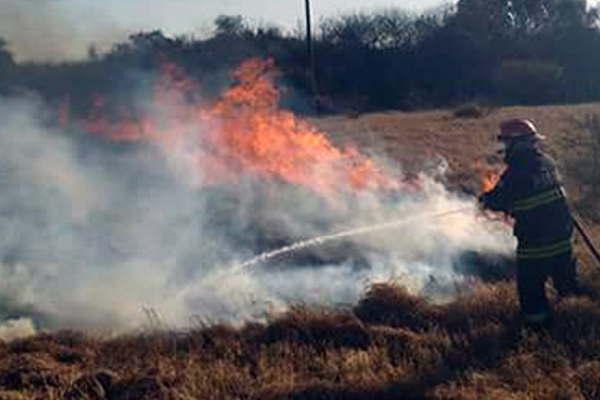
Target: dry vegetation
column 414, row 139
column 390, row 345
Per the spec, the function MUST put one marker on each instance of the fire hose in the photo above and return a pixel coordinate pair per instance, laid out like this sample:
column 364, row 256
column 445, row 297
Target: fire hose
column 584, row 234
column 586, row 237
column 320, row 240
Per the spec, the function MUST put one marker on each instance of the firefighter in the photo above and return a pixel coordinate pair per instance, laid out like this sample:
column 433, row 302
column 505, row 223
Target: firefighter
column 530, row 192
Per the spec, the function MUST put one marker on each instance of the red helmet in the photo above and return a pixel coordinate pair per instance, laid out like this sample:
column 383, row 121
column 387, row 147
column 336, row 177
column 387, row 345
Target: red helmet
column 518, row 128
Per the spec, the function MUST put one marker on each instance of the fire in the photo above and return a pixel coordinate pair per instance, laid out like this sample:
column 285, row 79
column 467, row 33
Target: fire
column 243, row 133
column 489, row 180
column 489, row 177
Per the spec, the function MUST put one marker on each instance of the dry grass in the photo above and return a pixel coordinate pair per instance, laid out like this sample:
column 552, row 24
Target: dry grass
column 413, row 139
column 391, row 345
column 471, row 348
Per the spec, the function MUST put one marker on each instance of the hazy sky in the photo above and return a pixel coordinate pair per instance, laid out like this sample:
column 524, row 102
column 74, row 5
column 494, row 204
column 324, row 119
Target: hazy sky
column 59, row 29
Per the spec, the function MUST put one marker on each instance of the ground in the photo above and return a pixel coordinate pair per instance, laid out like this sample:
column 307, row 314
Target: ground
column 413, row 138
column 390, row 345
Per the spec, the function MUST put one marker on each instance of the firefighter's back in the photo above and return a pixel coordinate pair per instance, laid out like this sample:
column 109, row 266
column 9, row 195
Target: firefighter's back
column 542, row 216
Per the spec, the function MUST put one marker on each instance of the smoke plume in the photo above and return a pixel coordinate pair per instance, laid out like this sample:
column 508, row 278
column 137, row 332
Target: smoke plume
column 51, row 30
column 103, row 235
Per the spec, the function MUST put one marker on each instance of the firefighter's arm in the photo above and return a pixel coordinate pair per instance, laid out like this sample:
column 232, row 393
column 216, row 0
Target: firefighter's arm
column 500, row 197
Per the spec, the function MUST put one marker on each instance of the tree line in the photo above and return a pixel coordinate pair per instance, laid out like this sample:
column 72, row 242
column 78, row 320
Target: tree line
column 496, row 51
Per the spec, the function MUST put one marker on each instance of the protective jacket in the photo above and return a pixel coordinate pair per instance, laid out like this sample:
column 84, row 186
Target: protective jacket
column 529, row 191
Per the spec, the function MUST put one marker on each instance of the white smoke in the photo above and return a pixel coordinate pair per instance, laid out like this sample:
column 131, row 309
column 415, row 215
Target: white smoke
column 14, row 329
column 55, row 31
column 93, row 234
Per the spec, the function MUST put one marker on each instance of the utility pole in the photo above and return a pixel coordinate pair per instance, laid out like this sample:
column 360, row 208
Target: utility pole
column 311, row 54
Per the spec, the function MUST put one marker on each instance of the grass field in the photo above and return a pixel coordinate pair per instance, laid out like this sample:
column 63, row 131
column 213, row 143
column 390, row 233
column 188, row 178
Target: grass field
column 391, row 345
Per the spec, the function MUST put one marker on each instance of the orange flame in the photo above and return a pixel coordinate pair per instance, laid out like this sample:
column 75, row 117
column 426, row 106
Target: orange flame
column 242, row 133
column 489, row 177
column 489, row 180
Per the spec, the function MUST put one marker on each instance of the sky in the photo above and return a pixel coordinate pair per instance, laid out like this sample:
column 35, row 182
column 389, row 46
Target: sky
column 54, row 30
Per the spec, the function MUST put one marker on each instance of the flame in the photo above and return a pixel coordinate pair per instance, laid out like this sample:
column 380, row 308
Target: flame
column 243, row 133
column 489, row 180
column 489, row 177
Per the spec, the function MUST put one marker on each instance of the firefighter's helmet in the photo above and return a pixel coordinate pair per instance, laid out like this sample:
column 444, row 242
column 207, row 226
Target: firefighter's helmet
column 518, row 129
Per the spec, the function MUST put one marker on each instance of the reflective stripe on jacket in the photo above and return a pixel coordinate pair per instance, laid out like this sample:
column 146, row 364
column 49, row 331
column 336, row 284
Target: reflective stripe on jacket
column 540, row 199
column 540, row 252
column 529, row 191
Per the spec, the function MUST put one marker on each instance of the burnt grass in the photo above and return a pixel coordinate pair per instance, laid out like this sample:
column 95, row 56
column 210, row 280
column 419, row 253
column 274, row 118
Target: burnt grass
column 391, row 345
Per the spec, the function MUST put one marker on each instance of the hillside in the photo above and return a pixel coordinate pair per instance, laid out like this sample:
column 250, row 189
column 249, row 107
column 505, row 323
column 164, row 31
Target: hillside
column 412, row 138
column 389, row 345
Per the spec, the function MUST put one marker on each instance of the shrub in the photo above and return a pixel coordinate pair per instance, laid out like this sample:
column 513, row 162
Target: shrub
column 473, row 110
column 529, row 81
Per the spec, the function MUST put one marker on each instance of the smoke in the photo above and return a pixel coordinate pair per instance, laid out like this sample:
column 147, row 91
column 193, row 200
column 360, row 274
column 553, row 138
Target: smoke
column 95, row 234
column 53, row 30
column 16, row 329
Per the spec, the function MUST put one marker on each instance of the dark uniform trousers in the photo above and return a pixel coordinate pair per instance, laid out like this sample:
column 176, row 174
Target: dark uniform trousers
column 532, row 275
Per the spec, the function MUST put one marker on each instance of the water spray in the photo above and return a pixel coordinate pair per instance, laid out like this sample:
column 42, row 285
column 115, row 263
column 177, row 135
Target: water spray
column 320, row 240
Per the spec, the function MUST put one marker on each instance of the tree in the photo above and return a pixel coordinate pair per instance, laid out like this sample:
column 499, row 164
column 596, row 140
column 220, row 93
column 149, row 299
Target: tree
column 229, row 25
column 522, row 17
column 7, row 66
column 6, row 58
column 485, row 19
column 92, row 52
column 147, row 41
column 349, row 31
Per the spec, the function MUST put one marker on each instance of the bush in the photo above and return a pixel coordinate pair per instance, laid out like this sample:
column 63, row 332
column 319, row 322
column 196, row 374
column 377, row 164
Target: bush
column 529, row 81
column 472, row 110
